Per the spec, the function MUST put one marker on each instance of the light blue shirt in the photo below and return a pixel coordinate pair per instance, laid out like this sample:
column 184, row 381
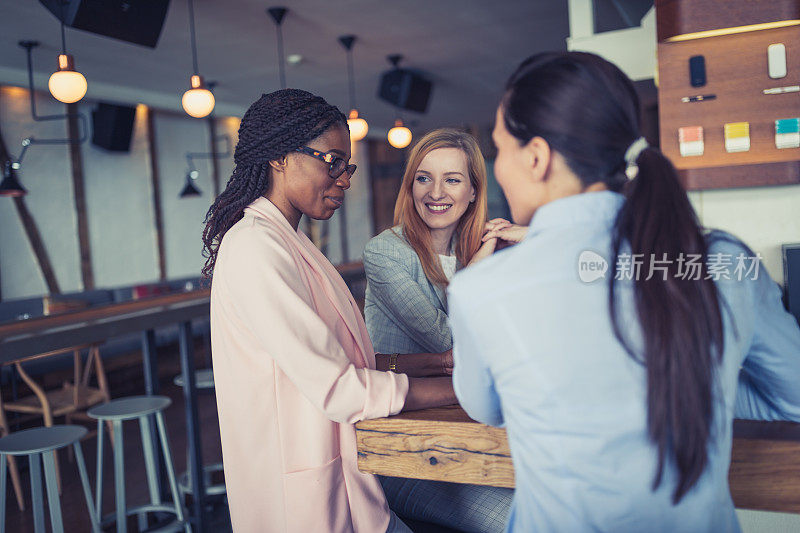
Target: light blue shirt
column 534, row 351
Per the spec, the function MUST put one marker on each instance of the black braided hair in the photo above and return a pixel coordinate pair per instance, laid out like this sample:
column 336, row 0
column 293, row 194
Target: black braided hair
column 275, row 125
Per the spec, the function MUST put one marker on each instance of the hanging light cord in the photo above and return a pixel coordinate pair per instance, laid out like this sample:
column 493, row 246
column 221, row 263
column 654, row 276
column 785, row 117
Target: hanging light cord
column 277, row 14
column 281, row 66
column 191, row 30
column 63, row 37
column 351, row 75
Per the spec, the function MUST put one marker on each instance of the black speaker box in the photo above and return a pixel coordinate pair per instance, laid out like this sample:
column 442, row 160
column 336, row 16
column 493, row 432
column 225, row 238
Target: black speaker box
column 112, row 126
column 791, row 276
column 405, row 89
column 135, row 21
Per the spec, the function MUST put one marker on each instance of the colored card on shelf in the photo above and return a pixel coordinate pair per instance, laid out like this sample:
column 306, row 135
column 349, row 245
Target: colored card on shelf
column 737, row 136
column 787, row 133
column 690, row 139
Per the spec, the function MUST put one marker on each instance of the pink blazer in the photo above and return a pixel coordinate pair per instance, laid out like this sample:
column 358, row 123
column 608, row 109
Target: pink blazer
column 294, row 370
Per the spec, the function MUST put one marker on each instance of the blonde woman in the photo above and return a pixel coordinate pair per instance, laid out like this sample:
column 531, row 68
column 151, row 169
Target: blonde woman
column 440, row 221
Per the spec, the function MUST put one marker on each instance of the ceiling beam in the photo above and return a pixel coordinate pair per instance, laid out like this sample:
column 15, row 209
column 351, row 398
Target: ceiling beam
column 79, row 194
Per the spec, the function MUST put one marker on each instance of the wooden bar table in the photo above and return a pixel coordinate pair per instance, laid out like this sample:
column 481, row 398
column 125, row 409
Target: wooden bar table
column 97, row 324
column 444, row 444
column 45, row 334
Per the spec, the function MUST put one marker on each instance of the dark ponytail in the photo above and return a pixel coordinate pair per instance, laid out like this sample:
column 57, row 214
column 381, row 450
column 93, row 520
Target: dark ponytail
column 680, row 319
column 275, row 125
column 588, row 111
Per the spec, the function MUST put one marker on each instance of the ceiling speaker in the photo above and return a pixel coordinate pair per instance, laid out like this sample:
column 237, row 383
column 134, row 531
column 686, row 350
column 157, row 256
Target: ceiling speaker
column 405, row 89
column 112, row 126
column 134, row 21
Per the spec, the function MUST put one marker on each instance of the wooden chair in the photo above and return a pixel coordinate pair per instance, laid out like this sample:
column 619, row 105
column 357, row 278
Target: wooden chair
column 70, row 401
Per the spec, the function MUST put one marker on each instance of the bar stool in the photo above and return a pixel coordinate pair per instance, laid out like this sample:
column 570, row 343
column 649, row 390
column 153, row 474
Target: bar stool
column 204, row 381
column 39, row 444
column 141, row 408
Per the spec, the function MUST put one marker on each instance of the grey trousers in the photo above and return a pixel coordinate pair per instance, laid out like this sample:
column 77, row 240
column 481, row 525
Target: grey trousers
column 469, row 508
column 396, row 525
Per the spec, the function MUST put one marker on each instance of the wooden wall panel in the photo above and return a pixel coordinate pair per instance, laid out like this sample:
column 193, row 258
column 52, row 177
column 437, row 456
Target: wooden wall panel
column 76, row 158
column 736, row 71
column 737, row 74
column 386, row 172
column 741, row 176
column 677, row 17
column 212, row 136
column 155, row 180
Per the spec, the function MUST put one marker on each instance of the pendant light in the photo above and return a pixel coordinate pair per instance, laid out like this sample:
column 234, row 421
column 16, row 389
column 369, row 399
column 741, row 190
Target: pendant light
column 358, row 126
column 190, row 189
column 277, row 14
column 66, row 84
column 399, row 136
column 197, row 101
column 10, row 186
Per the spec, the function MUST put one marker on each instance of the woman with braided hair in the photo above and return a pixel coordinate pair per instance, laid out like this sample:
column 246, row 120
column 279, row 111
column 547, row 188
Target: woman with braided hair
column 294, row 368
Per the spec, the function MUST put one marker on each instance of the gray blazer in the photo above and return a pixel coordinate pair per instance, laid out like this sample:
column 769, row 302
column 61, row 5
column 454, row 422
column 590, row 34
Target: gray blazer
column 405, row 313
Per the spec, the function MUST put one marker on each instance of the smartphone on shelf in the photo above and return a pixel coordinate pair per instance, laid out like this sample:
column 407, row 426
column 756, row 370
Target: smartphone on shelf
column 697, row 71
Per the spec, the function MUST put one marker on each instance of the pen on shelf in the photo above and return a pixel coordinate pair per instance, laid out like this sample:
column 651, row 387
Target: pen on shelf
column 698, row 98
column 780, row 90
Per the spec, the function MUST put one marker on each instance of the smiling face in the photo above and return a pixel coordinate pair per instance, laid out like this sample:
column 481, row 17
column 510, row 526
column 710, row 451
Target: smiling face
column 302, row 185
column 442, row 189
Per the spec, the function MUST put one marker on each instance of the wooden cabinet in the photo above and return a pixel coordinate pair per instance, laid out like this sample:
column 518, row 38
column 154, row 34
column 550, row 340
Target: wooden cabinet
column 736, row 74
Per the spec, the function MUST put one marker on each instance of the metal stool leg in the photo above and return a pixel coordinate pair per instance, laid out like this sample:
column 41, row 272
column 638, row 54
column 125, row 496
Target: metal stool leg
column 3, row 467
column 36, row 492
column 173, row 484
column 119, row 479
column 98, row 505
column 87, row 491
column 146, row 429
column 52, row 492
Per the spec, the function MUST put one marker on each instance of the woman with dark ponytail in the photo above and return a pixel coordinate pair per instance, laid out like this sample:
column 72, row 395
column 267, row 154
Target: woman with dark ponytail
column 294, row 368
column 610, row 339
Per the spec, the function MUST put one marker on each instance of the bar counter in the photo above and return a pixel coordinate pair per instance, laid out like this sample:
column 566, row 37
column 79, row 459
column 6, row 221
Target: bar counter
column 444, row 444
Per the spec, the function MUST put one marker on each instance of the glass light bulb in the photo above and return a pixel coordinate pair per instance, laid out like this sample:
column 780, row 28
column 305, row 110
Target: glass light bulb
column 198, row 102
column 67, row 86
column 358, row 126
column 399, row 136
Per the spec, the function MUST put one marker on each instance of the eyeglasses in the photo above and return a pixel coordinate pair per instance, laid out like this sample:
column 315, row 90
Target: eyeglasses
column 337, row 165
